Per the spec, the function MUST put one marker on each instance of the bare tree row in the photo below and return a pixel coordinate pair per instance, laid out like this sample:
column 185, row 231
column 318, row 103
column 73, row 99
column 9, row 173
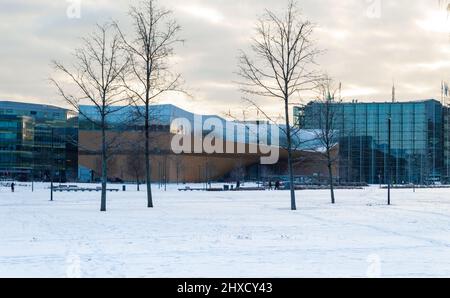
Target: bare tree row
column 113, row 70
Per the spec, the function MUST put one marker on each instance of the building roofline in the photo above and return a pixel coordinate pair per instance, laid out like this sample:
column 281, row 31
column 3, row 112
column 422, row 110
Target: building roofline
column 27, row 105
column 395, row 102
column 169, row 107
column 356, row 101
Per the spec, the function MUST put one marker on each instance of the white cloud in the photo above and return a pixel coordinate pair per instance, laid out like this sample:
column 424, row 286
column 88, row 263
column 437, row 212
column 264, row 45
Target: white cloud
column 204, row 13
column 433, row 66
column 437, row 21
column 352, row 91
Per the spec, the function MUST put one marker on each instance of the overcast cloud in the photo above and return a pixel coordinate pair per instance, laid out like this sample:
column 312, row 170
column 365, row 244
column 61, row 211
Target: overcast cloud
column 369, row 44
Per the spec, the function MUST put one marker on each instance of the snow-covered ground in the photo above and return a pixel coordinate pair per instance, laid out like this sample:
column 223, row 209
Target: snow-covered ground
column 225, row 234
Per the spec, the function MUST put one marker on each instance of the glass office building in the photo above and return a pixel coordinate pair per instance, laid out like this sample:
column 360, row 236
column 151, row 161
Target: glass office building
column 36, row 140
column 417, row 141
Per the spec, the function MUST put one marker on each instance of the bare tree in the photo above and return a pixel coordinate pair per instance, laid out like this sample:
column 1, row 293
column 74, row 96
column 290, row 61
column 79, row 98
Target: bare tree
column 150, row 49
column 179, row 167
column 135, row 165
column 281, row 69
column 239, row 171
column 96, row 78
column 326, row 113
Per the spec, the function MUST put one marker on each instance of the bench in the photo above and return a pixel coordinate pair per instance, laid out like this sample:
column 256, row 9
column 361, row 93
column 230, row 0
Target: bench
column 77, row 189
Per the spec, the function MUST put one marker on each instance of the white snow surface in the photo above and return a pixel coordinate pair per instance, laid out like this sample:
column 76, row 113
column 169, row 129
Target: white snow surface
column 225, row 234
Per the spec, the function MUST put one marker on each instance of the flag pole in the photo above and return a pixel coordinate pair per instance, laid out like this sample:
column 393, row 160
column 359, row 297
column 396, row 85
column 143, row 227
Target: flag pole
column 445, row 93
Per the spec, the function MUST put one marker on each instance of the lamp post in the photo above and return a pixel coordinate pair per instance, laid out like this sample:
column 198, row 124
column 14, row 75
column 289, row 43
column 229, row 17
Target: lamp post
column 32, row 176
column 51, row 166
column 389, row 160
column 165, row 172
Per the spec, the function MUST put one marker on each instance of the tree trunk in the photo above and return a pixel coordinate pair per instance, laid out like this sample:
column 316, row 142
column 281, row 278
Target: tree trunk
column 147, row 158
column 289, row 150
column 104, row 167
column 330, row 175
column 328, row 129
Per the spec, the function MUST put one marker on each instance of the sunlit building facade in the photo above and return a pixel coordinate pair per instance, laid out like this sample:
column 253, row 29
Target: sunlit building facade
column 125, row 133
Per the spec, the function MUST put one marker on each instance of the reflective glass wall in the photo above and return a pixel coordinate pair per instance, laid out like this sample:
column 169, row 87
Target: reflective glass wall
column 36, row 140
column 417, row 142
column 16, row 144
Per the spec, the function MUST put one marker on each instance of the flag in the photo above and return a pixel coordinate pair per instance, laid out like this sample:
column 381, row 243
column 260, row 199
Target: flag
column 393, row 92
column 445, row 89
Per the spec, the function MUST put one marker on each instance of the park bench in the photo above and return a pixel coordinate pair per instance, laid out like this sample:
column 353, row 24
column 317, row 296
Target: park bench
column 74, row 188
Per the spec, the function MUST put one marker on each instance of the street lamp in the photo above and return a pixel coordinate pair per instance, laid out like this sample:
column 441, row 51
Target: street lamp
column 389, row 160
column 52, row 165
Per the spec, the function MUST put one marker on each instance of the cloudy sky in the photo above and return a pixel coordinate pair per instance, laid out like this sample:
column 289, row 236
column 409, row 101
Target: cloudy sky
column 369, row 44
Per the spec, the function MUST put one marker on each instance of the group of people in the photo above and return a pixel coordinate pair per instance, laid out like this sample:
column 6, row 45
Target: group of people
column 272, row 185
column 277, row 185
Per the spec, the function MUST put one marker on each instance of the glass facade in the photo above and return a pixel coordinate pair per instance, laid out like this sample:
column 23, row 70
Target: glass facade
column 16, row 144
column 299, row 118
column 417, row 142
column 34, row 139
column 446, row 169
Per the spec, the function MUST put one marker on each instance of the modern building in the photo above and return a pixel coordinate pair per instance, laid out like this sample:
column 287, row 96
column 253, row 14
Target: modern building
column 40, row 141
column 420, row 144
column 125, row 132
column 36, row 141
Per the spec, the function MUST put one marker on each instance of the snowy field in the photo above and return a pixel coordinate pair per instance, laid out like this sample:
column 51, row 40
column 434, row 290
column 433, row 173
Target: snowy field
column 229, row 234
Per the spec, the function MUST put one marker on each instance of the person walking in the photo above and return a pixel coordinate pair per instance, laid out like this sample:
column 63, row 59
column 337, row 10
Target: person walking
column 12, row 186
column 270, row 185
column 277, row 185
